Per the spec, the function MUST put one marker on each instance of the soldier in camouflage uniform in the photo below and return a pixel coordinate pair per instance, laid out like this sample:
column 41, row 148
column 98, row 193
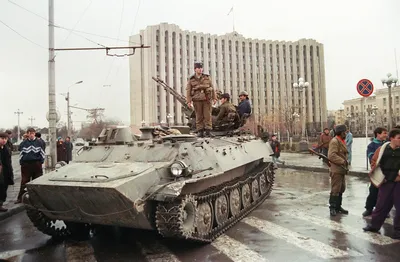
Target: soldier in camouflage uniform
column 225, row 109
column 201, row 92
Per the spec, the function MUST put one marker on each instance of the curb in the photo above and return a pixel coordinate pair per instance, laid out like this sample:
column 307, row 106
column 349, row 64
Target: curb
column 362, row 174
column 12, row 211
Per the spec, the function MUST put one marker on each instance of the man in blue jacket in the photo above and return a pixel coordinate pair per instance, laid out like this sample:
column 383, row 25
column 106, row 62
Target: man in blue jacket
column 31, row 159
column 381, row 135
column 244, row 106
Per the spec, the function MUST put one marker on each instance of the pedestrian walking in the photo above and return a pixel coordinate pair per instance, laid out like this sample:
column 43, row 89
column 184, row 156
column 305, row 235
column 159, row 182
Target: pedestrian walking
column 349, row 145
column 31, row 160
column 380, row 137
column 387, row 159
column 323, row 143
column 276, row 148
column 68, row 148
column 337, row 155
column 201, row 92
column 61, row 150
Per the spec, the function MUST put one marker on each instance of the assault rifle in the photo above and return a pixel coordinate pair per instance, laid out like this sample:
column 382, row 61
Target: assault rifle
column 328, row 161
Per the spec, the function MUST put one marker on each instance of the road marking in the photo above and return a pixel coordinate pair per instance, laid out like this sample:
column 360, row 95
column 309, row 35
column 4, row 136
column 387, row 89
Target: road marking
column 333, row 225
column 235, row 250
column 306, row 196
column 79, row 251
column 156, row 252
column 355, row 211
column 13, row 255
column 310, row 245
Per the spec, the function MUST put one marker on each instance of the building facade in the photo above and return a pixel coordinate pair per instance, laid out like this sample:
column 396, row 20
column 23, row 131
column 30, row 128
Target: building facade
column 265, row 69
column 336, row 117
column 355, row 110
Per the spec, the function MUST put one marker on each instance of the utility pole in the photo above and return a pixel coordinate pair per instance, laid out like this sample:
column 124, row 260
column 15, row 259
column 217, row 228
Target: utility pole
column 68, row 116
column 52, row 89
column 19, row 130
column 69, row 120
column 31, row 119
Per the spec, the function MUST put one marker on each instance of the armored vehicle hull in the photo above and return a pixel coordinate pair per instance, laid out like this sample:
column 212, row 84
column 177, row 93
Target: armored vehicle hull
column 180, row 185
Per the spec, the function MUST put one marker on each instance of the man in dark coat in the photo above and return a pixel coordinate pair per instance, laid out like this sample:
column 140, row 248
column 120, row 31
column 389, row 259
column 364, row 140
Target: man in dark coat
column 10, row 148
column 68, row 149
column 39, row 138
column 61, row 150
column 6, row 173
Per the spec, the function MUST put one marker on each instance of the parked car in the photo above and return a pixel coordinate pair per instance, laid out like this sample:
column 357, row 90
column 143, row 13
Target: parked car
column 79, row 142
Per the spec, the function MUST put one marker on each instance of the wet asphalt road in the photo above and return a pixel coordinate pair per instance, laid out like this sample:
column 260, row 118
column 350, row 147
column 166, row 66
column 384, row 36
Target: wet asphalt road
column 292, row 225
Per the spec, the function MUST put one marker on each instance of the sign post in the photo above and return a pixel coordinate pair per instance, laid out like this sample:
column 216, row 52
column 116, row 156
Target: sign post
column 365, row 88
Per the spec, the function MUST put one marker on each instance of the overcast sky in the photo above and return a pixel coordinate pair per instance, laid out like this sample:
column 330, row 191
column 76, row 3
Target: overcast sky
column 359, row 38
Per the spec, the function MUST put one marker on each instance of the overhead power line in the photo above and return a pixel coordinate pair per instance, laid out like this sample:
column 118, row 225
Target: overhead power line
column 70, row 29
column 15, row 31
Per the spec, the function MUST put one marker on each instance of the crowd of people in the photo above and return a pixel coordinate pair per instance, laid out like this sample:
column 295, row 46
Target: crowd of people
column 384, row 155
column 32, row 155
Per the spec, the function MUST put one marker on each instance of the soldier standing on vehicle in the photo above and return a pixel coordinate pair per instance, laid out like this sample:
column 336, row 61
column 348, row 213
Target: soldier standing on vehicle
column 337, row 155
column 201, row 92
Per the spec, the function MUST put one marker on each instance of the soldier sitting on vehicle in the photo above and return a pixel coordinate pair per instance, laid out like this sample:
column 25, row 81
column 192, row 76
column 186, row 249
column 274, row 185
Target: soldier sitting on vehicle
column 227, row 112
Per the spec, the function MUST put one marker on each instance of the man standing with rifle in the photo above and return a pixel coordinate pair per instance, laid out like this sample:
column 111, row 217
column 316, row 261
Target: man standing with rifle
column 338, row 157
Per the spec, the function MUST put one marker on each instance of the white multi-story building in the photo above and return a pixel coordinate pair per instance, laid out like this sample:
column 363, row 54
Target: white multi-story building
column 266, row 69
column 356, row 109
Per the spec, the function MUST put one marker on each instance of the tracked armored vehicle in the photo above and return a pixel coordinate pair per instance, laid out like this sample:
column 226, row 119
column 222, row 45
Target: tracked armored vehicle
column 179, row 185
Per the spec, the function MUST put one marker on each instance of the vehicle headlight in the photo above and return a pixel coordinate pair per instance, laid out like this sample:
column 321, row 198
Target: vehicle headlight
column 178, row 168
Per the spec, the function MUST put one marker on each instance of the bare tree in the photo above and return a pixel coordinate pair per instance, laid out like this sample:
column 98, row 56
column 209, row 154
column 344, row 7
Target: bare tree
column 288, row 118
column 379, row 118
column 93, row 130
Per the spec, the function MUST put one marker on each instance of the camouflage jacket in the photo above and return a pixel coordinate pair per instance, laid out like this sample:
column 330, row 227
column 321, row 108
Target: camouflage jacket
column 224, row 110
column 200, row 88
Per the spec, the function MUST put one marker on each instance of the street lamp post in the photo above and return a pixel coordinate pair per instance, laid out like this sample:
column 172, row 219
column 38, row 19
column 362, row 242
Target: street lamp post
column 69, row 122
column 31, row 119
column 390, row 81
column 19, row 129
column 301, row 85
column 169, row 117
column 295, row 119
column 370, row 112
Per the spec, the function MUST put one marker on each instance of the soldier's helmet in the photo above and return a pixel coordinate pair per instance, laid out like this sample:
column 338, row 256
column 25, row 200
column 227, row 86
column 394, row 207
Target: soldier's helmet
column 198, row 65
column 243, row 93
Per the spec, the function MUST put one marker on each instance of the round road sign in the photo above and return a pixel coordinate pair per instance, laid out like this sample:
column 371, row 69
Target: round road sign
column 365, row 87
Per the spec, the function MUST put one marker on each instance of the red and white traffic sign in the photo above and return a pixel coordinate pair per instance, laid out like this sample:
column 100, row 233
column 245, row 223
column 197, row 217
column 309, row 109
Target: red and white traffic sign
column 365, row 87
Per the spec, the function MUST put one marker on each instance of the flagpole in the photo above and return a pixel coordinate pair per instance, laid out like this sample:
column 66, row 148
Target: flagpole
column 233, row 19
column 395, row 60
